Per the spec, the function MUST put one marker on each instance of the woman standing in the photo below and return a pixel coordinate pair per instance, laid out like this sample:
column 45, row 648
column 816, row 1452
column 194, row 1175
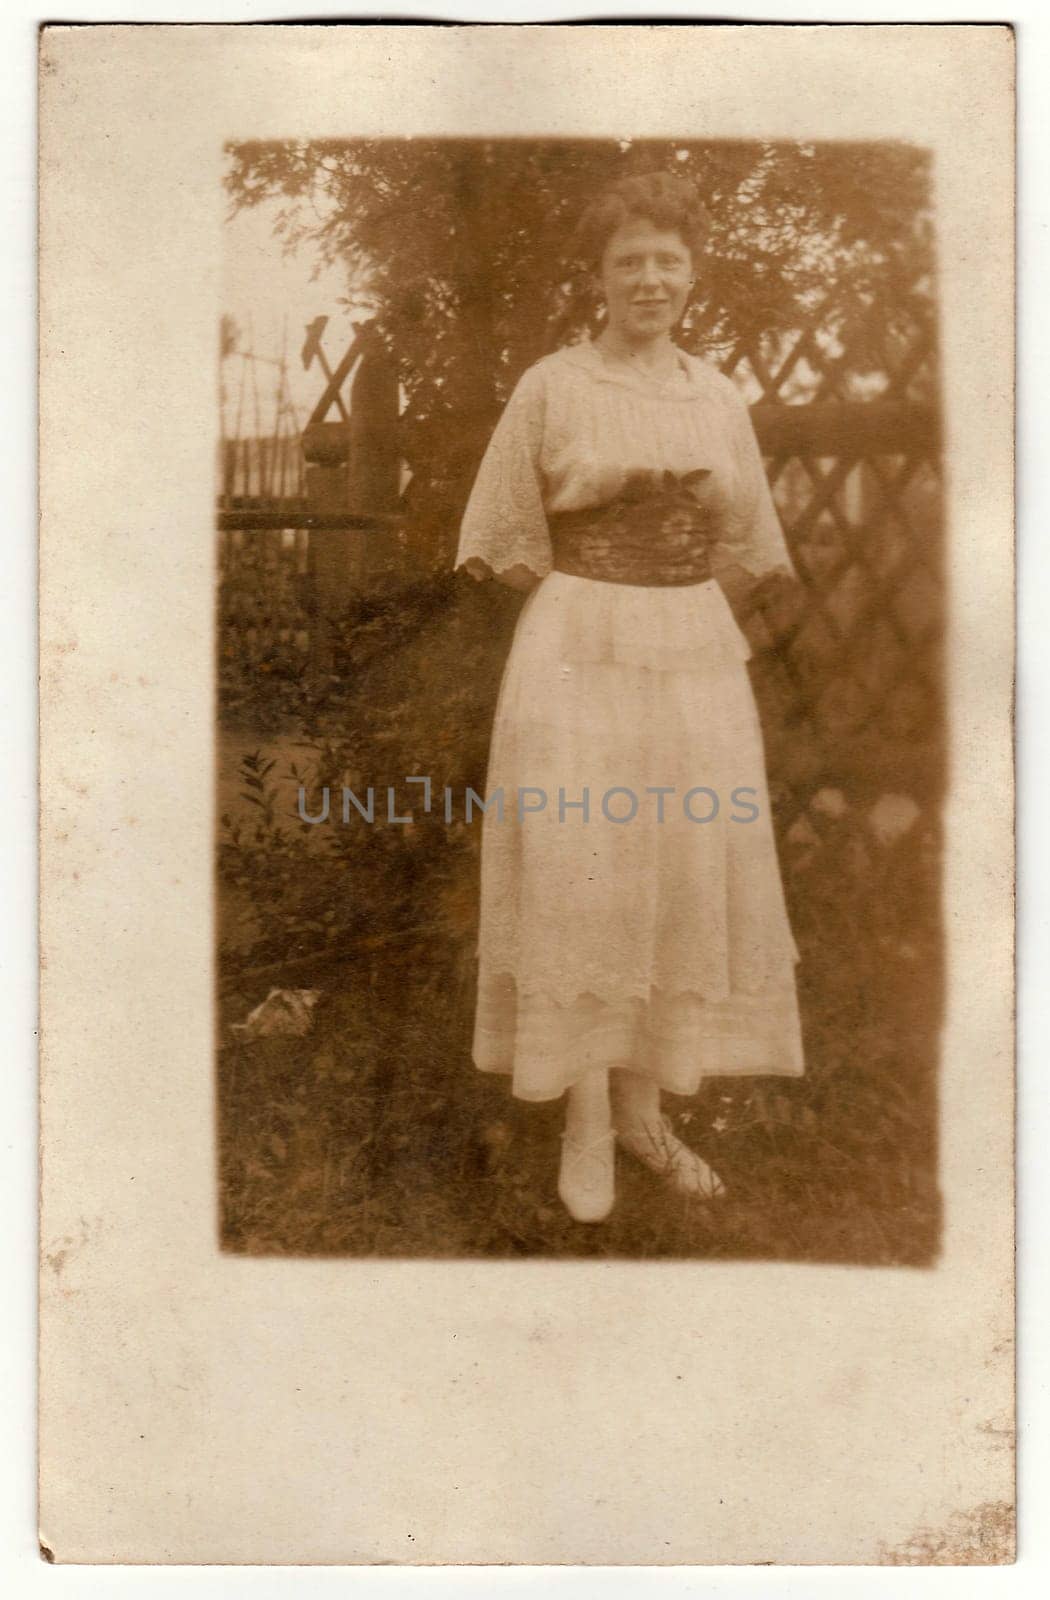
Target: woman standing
column 633, row 933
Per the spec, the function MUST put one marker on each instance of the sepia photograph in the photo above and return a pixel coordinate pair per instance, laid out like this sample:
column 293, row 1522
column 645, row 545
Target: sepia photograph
column 580, row 726
column 526, row 693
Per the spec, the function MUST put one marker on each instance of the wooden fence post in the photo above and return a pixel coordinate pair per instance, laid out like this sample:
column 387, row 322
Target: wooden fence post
column 326, row 449
column 374, row 467
column 351, row 467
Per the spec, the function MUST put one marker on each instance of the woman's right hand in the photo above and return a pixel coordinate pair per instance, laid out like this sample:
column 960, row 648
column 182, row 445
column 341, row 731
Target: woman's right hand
column 516, row 577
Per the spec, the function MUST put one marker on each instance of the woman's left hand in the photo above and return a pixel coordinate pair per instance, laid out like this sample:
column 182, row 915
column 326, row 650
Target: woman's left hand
column 767, row 608
column 781, row 600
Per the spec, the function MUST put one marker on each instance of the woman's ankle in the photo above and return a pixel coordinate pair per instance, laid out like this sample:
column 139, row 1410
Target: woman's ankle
column 636, row 1103
column 588, row 1112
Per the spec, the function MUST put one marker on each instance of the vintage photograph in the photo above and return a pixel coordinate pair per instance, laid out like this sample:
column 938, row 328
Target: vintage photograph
column 526, row 677
column 579, row 734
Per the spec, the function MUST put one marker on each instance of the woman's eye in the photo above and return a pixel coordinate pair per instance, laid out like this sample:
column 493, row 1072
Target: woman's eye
column 665, row 263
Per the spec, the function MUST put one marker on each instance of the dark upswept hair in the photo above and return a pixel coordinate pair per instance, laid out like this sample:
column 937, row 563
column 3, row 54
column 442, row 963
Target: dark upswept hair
column 665, row 200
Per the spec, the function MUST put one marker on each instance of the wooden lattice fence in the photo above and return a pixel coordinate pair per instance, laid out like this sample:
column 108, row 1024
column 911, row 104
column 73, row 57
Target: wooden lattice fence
column 846, row 411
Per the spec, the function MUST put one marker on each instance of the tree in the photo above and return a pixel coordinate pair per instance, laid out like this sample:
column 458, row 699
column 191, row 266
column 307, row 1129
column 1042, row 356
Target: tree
column 461, row 251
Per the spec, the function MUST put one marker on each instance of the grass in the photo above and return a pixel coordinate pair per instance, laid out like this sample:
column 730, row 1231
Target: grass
column 376, row 1136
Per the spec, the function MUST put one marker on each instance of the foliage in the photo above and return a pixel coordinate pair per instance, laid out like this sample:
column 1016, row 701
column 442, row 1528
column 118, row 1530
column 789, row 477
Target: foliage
column 461, row 249
column 416, row 672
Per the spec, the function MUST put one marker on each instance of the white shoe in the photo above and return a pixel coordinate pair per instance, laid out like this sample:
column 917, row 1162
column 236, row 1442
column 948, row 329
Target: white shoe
column 587, row 1176
column 660, row 1149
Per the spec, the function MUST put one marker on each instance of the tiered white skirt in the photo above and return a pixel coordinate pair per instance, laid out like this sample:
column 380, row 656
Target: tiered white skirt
column 632, row 913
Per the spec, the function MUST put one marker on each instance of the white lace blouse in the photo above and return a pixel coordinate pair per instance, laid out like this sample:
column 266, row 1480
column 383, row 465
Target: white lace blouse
column 579, row 422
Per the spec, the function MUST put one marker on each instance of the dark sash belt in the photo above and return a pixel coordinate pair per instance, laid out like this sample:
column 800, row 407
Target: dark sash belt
column 658, row 537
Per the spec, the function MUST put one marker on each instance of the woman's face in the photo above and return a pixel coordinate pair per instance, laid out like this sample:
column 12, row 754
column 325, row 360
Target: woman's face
column 645, row 276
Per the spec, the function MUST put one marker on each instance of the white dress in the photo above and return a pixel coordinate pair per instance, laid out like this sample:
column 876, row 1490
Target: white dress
column 610, row 935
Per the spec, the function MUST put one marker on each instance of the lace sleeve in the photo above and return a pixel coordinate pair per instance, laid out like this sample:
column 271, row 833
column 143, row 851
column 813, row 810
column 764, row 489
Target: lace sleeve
column 504, row 525
column 752, row 537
